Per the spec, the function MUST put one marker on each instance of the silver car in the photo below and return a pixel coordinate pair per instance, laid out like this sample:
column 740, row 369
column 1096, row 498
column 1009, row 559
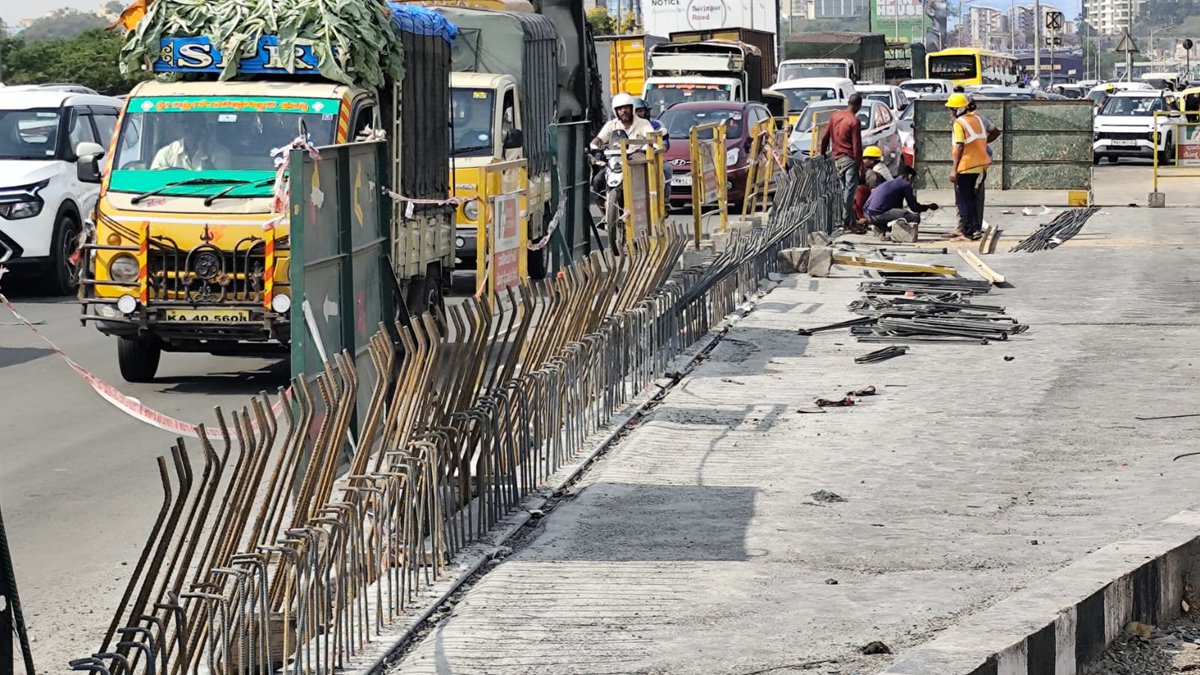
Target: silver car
column 878, row 124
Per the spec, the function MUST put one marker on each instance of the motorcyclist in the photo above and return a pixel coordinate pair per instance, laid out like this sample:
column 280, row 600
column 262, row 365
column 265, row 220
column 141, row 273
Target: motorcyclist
column 642, row 110
column 625, row 121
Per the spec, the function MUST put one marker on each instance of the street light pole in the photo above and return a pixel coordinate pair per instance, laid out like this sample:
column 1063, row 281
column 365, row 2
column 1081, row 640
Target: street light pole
column 1037, row 41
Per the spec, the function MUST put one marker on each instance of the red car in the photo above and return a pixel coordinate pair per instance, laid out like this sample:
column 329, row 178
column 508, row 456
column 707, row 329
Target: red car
column 678, row 121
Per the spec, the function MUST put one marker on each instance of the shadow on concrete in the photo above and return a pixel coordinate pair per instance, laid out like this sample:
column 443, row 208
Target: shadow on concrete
column 242, row 382
column 15, row 356
column 689, row 523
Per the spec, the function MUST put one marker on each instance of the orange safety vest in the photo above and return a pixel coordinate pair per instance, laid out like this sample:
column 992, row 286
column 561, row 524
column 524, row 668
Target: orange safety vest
column 974, row 152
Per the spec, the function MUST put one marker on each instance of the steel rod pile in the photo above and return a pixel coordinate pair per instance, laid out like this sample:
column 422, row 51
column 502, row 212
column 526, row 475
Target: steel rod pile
column 1064, row 226
column 939, row 313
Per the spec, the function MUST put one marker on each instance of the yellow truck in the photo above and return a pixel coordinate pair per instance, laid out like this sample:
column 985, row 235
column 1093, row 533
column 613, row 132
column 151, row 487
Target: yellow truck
column 623, row 63
column 514, row 95
column 191, row 249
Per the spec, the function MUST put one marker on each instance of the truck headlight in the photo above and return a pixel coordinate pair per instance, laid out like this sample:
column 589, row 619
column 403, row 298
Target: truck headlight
column 471, row 210
column 123, row 268
column 731, row 157
column 281, row 304
column 22, row 209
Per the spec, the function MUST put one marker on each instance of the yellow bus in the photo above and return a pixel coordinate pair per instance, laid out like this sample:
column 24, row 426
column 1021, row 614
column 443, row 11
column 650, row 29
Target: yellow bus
column 968, row 66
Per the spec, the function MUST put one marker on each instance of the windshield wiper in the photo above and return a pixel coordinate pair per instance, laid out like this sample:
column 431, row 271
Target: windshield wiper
column 208, row 201
column 190, row 181
column 471, row 148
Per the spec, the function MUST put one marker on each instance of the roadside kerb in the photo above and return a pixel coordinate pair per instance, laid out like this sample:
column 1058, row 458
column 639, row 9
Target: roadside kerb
column 1066, row 620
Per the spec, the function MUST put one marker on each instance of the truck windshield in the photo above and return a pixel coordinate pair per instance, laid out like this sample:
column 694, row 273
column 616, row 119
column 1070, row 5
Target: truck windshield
column 954, row 66
column 213, row 136
column 794, row 71
column 28, row 134
column 663, row 95
column 472, row 111
column 801, row 97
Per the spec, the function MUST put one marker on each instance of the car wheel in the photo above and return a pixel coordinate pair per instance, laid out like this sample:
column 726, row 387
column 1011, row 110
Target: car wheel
column 63, row 275
column 1167, row 156
column 1112, row 159
column 138, row 358
column 1096, row 158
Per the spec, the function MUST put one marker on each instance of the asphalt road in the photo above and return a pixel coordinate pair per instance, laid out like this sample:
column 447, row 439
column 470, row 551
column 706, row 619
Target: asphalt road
column 78, row 484
column 79, row 487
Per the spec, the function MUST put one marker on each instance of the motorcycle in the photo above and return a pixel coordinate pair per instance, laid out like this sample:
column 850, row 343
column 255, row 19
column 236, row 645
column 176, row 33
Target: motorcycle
column 608, row 180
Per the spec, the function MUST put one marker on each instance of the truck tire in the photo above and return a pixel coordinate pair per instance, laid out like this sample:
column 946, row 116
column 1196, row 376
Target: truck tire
column 62, row 278
column 138, row 358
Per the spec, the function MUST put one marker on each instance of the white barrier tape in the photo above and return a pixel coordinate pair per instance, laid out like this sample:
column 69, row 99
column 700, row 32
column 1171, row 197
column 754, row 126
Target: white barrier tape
column 280, row 193
column 127, row 404
column 554, row 223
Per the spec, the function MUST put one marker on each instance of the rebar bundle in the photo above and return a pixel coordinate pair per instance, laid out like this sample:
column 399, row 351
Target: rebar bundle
column 1051, row 235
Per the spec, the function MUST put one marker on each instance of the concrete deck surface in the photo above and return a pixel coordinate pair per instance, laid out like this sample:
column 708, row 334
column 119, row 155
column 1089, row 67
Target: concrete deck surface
column 695, row 545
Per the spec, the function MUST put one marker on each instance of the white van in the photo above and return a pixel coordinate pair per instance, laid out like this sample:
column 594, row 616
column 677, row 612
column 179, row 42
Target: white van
column 43, row 204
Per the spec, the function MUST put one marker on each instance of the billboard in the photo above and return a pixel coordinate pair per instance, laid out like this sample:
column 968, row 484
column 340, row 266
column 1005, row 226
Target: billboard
column 899, row 20
column 663, row 17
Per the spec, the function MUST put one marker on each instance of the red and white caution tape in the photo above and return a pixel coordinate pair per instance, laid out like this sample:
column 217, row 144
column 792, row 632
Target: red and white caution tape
column 126, row 404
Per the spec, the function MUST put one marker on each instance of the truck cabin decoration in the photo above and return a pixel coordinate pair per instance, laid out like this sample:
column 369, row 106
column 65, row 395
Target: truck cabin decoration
column 198, row 54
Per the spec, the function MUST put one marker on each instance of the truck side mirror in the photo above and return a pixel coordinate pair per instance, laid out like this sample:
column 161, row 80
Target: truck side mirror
column 514, row 139
column 87, row 162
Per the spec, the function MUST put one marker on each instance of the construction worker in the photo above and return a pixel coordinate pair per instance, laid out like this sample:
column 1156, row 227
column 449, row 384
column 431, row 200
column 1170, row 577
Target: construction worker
column 875, row 173
column 969, row 159
column 981, row 188
column 886, row 203
column 843, row 135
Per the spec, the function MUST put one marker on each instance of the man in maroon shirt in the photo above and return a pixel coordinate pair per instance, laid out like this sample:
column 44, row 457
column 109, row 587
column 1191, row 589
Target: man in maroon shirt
column 844, row 134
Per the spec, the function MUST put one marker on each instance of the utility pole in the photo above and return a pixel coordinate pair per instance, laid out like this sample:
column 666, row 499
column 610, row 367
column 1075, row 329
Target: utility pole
column 1037, row 41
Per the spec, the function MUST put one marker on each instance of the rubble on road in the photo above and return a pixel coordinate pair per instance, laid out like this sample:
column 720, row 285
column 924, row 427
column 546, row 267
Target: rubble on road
column 1146, row 650
column 1051, row 235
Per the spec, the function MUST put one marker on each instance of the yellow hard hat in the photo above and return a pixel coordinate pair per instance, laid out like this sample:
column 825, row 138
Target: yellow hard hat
column 957, row 101
column 873, row 151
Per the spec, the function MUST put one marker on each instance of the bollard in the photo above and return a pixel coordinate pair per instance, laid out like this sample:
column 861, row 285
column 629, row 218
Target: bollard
column 1158, row 200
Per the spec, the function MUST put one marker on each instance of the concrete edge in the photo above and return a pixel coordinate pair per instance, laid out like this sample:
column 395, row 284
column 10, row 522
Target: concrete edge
column 1064, row 621
column 376, row 656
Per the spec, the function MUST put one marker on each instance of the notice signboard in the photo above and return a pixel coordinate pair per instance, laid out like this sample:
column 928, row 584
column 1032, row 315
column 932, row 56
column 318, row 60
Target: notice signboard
column 1188, row 145
column 506, row 241
column 663, row 17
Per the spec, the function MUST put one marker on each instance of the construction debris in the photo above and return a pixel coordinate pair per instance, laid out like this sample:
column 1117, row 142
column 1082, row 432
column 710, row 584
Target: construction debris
column 834, row 326
column 980, row 267
column 893, row 266
column 882, row 354
column 991, row 236
column 1064, row 226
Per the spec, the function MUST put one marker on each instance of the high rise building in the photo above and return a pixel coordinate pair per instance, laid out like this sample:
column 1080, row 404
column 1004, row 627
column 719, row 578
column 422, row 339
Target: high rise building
column 987, row 27
column 1111, row 17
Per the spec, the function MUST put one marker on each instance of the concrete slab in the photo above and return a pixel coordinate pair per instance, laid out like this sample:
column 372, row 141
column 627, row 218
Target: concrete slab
column 696, row 546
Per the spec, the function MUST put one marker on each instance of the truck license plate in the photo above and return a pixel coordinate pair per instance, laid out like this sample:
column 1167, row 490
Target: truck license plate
column 209, row 315
column 1122, row 141
column 682, row 181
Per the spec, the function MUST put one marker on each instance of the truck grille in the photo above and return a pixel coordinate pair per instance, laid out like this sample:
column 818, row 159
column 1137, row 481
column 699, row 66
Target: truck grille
column 206, row 274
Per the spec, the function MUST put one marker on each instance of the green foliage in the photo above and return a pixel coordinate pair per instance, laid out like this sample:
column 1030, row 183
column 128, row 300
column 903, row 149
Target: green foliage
column 62, row 24
column 353, row 39
column 89, row 59
column 603, row 23
column 1166, row 13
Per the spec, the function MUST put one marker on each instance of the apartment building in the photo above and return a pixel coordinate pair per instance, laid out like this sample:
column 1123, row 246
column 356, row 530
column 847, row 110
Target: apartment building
column 1111, row 17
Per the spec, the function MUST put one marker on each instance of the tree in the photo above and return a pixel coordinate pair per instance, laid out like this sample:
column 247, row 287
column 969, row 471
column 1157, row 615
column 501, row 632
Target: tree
column 90, row 59
column 603, row 23
column 62, row 24
column 1165, row 13
column 114, row 6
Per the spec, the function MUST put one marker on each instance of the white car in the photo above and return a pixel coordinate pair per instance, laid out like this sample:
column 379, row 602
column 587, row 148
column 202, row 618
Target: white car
column 43, row 204
column 1126, row 126
column 916, row 89
column 887, row 94
column 804, row 91
column 879, row 127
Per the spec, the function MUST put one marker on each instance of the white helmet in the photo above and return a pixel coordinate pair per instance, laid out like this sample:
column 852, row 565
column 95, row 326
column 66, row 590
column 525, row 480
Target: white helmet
column 622, row 100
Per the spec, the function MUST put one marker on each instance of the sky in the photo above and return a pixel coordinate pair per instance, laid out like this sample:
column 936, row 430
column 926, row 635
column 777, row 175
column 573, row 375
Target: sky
column 13, row 11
